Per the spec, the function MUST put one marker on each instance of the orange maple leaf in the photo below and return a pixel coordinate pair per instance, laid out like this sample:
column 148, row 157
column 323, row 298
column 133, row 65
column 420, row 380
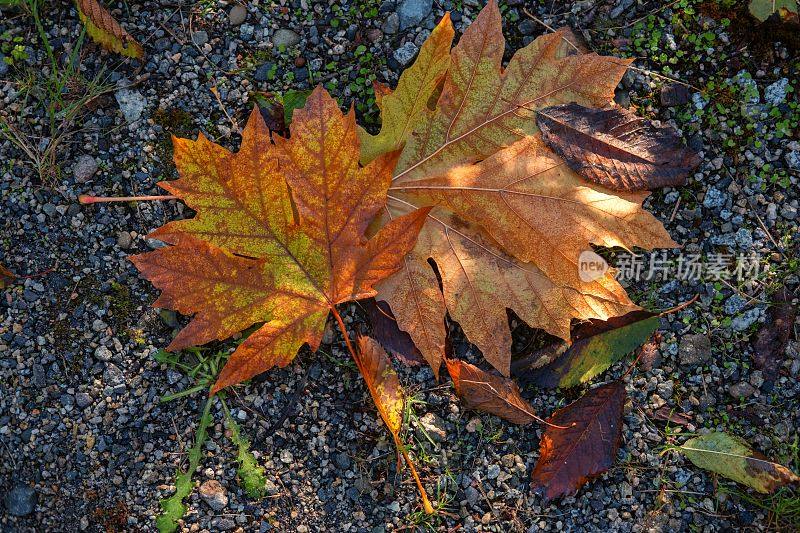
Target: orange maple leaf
column 278, row 237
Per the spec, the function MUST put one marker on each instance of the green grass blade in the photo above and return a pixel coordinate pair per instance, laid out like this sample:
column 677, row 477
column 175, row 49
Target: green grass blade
column 172, row 507
column 250, row 472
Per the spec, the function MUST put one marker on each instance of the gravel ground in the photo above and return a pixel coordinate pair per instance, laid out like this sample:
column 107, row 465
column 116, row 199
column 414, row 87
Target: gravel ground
column 85, row 443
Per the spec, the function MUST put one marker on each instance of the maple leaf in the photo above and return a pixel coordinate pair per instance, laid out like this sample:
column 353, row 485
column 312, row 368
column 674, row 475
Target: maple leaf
column 616, row 148
column 278, row 236
column 508, row 231
column 401, row 108
column 586, row 448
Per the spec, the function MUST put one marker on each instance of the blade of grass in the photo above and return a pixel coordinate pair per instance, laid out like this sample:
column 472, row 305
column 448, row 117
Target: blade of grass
column 172, row 507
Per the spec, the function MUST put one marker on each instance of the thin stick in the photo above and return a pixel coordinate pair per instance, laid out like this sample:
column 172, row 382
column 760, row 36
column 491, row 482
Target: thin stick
column 680, row 306
column 88, row 199
column 426, row 504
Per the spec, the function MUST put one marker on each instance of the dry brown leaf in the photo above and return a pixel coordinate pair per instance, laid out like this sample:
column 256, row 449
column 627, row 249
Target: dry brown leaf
column 487, row 392
column 102, row 27
column 616, row 148
column 772, row 338
column 587, row 448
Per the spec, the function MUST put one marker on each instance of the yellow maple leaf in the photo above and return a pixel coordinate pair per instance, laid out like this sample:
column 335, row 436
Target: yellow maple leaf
column 401, row 108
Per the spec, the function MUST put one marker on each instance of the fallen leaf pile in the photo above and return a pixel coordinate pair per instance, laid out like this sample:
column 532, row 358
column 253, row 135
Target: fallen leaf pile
column 477, row 196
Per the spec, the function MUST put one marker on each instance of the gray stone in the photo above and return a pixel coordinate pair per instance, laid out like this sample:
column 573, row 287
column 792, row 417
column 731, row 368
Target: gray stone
column 85, row 168
column 775, row 94
column 757, row 379
column 214, row 494
column 21, row 500
column 793, row 159
column 200, row 37
column 714, row 198
column 472, row 495
column 82, row 399
column 789, row 212
column 285, row 38
column 102, row 353
column 745, row 320
column 271, row 488
column 113, row 375
column 131, row 103
column 124, row 240
column 744, row 238
column 405, row 54
column 433, row 426
column 391, row 24
column 412, row 12
column 3, row 65
column 246, row 31
column 742, row 390
column 694, row 350
column 237, row 15
column 342, row 460
column 733, row 305
column 222, row 524
column 493, row 471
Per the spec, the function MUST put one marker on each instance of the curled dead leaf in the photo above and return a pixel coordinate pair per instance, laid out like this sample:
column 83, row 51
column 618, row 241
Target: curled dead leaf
column 106, row 31
column 489, row 393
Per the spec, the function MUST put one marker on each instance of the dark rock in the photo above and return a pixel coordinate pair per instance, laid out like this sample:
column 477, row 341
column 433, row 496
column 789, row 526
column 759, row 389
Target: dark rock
column 694, row 350
column 262, row 72
column 342, row 460
column 675, row 94
column 21, row 500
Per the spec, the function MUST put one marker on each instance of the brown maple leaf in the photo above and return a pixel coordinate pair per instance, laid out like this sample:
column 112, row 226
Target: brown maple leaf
column 507, row 232
column 278, row 236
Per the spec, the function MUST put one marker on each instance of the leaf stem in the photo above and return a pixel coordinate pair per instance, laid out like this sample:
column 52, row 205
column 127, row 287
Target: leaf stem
column 426, row 504
column 88, row 199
